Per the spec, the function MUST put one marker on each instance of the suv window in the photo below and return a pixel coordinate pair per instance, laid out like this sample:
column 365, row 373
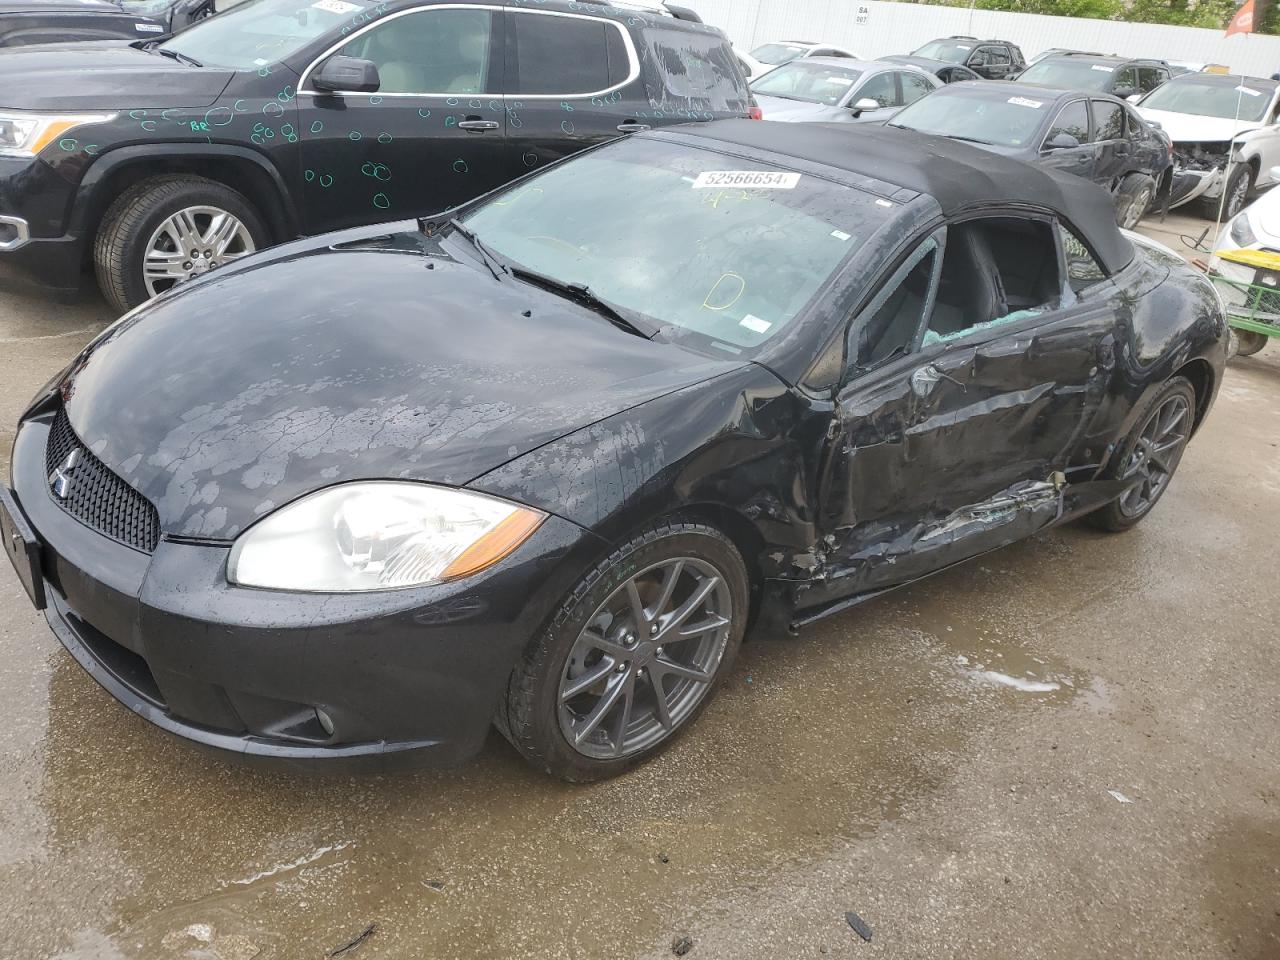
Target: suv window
column 1108, row 121
column 697, row 64
column 1128, row 77
column 998, row 55
column 429, row 51
column 1148, row 79
column 914, row 87
column 567, row 56
column 1073, row 119
column 881, row 88
column 980, row 58
column 1135, row 124
column 1082, row 270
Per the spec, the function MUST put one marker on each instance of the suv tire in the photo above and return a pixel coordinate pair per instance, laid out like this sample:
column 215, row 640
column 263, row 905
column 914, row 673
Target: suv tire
column 133, row 224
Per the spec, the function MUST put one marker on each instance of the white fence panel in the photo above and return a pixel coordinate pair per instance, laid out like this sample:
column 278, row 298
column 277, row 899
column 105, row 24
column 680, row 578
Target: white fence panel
column 901, row 27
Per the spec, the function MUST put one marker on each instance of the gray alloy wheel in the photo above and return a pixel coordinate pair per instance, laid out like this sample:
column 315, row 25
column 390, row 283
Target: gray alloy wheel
column 645, row 659
column 632, row 654
column 1155, row 454
column 191, row 242
column 1149, row 455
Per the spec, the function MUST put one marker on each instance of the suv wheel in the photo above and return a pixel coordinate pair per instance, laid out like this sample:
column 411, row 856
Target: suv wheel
column 167, row 230
column 1132, row 200
column 632, row 656
column 1239, row 185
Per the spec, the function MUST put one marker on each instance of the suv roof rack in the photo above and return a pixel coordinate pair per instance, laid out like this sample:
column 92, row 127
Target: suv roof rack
column 683, row 13
column 960, row 36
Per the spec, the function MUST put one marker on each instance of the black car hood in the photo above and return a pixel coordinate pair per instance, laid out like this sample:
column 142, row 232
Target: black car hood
column 103, row 75
column 321, row 365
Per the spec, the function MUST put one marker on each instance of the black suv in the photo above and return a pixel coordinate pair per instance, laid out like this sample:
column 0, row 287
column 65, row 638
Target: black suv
column 27, row 22
column 279, row 118
column 1093, row 73
column 993, row 59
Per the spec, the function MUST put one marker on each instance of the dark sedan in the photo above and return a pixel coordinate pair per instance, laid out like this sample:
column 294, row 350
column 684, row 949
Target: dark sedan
column 26, row 23
column 541, row 461
column 942, row 69
column 1096, row 137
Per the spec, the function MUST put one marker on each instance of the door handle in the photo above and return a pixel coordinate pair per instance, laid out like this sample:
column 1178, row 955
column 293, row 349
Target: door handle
column 477, row 125
column 632, row 127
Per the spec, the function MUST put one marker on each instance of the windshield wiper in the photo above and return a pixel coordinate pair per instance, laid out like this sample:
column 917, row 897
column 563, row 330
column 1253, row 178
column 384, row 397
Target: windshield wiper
column 953, row 136
column 175, row 55
column 581, row 293
column 490, row 260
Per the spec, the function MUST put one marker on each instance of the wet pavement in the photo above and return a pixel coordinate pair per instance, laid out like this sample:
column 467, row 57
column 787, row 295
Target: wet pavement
column 1069, row 748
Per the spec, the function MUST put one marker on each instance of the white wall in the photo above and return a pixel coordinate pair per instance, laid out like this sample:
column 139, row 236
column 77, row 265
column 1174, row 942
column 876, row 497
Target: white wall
column 901, row 27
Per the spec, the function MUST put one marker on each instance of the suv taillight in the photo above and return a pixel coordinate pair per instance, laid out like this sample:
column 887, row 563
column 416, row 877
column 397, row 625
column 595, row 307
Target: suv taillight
column 755, row 113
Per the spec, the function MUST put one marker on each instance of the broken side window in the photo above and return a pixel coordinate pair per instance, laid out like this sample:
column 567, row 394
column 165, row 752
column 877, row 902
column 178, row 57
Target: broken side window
column 994, row 272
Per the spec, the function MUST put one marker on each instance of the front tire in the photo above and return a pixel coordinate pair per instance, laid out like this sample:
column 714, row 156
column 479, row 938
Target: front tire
column 167, row 230
column 1239, row 186
column 1150, row 455
column 632, row 656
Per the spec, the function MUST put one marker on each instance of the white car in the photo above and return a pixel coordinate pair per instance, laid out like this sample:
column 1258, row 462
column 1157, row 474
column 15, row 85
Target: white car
column 767, row 56
column 1199, row 112
column 1256, row 227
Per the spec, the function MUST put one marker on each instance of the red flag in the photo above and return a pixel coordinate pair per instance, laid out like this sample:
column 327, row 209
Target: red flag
column 1242, row 22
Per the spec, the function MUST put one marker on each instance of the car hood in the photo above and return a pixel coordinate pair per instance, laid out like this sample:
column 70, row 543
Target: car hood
column 1191, row 128
column 801, row 111
column 103, row 75
column 383, row 358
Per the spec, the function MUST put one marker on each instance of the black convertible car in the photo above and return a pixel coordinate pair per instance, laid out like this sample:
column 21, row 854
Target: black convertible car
column 542, row 461
column 1094, row 136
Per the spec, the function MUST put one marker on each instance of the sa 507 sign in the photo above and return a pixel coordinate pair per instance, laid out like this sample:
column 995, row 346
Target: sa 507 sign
column 863, row 15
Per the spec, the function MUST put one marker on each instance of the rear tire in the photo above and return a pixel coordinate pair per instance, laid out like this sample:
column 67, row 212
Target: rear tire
column 1133, row 199
column 1154, row 449
column 134, row 222
column 607, row 641
column 1249, row 343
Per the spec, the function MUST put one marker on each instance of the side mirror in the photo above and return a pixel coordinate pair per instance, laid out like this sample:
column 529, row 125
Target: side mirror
column 341, row 74
column 1062, row 141
column 865, row 104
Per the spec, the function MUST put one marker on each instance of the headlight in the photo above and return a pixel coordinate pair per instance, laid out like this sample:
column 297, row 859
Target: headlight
column 1241, row 230
column 26, row 134
column 378, row 535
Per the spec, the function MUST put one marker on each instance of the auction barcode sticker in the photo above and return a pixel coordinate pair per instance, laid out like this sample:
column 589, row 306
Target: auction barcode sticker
column 756, row 179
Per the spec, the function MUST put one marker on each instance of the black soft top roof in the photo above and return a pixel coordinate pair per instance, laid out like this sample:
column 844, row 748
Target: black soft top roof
column 960, row 177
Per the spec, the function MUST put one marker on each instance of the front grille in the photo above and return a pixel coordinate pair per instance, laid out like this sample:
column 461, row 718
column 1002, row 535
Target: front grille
column 97, row 497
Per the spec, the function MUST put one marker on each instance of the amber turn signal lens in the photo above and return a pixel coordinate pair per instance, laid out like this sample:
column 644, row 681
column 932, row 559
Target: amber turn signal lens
column 496, row 544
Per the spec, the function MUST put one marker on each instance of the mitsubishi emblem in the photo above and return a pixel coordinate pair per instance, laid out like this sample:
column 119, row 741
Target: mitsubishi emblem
column 60, row 479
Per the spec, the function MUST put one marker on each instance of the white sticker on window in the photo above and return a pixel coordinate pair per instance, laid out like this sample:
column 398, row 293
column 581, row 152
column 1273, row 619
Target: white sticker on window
column 1024, row 102
column 335, row 6
column 961, row 46
column 840, row 81
column 754, row 323
column 148, row 28
column 757, row 179
column 1104, row 69
column 841, row 235
column 1250, row 91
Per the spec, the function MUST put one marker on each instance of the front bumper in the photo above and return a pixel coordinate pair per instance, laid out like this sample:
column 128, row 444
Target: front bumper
column 408, row 677
column 48, row 258
column 1191, row 184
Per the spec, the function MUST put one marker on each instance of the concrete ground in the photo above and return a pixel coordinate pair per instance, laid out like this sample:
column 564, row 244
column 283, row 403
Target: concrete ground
column 1122, row 799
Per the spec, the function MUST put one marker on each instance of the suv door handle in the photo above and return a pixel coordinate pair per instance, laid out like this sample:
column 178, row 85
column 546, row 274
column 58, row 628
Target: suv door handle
column 632, row 127
column 477, row 125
